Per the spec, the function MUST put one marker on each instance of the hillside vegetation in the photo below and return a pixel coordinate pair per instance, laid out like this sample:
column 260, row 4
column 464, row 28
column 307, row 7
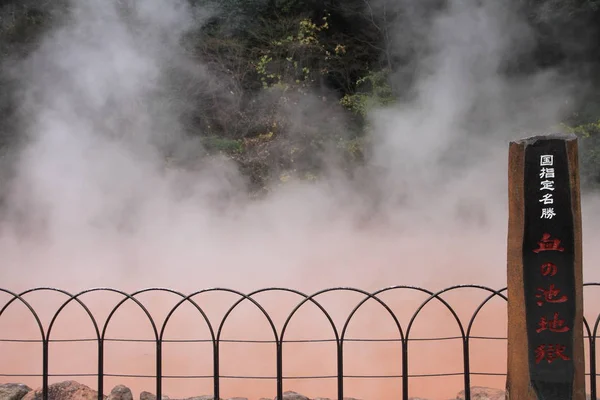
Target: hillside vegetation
column 274, row 63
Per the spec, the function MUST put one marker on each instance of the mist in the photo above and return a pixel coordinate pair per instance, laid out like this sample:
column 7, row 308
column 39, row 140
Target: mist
column 93, row 201
column 109, row 189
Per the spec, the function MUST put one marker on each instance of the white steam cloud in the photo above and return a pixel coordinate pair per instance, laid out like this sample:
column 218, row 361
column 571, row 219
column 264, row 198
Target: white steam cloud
column 94, row 203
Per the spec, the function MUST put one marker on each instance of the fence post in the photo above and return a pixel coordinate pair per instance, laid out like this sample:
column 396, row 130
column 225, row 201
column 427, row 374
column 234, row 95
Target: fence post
column 45, row 373
column 545, row 285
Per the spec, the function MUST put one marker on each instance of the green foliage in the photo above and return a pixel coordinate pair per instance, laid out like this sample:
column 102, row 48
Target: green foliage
column 265, row 56
column 589, row 152
column 376, row 92
column 290, row 59
column 223, row 145
column 353, row 150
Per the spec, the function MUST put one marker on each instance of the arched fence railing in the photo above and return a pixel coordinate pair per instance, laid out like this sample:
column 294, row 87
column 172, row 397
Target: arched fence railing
column 339, row 335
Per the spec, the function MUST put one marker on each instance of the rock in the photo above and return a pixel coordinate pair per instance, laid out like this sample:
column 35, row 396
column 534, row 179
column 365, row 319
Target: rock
column 13, row 391
column 150, row 396
column 120, row 392
column 483, row 393
column 289, row 395
column 205, row 397
column 68, row 390
column 327, row 398
column 238, row 398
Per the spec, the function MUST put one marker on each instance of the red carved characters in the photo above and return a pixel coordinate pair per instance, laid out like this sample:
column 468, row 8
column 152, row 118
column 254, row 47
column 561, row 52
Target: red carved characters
column 548, row 269
column 547, row 244
column 550, row 352
column 550, row 295
column 556, row 325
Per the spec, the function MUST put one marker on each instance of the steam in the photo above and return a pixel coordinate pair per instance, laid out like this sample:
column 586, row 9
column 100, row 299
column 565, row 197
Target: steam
column 104, row 193
column 94, row 202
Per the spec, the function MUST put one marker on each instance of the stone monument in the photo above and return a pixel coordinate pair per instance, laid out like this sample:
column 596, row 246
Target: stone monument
column 545, row 284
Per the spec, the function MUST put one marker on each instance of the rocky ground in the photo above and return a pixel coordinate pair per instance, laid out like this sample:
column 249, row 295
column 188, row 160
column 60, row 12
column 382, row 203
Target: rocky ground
column 71, row 390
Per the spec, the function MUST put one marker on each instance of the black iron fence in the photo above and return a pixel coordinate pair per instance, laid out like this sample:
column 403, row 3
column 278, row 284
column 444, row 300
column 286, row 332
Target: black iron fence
column 340, row 334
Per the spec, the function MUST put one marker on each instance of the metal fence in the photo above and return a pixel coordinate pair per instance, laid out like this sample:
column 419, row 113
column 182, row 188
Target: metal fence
column 340, row 335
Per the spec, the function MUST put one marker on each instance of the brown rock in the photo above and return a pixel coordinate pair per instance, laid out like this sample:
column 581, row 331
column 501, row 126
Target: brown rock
column 13, row 391
column 68, row 390
column 204, row 397
column 327, row 398
column 151, row 396
column 289, row 395
column 483, row 393
column 120, row 392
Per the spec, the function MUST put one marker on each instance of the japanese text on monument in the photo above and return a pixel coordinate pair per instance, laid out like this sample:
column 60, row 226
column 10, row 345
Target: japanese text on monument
column 547, row 185
column 548, row 261
column 547, row 296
